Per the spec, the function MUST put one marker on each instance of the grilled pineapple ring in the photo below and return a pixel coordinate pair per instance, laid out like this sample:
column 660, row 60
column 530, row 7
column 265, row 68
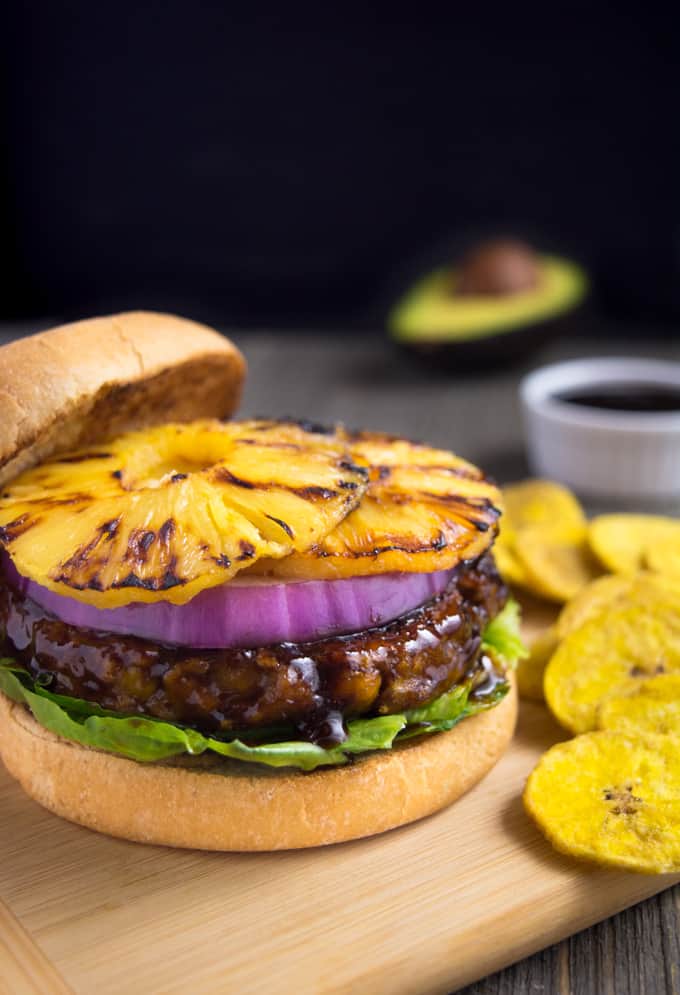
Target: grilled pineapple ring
column 164, row 513
column 425, row 509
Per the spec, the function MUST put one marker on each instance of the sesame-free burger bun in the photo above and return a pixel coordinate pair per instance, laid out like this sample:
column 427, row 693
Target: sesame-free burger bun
column 95, row 379
column 230, row 806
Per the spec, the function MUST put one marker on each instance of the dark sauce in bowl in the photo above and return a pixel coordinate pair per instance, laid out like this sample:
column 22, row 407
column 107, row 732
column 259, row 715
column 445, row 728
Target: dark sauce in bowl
column 651, row 398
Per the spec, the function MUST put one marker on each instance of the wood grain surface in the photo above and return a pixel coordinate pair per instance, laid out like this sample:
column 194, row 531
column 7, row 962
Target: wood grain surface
column 78, row 904
column 24, row 969
column 423, row 909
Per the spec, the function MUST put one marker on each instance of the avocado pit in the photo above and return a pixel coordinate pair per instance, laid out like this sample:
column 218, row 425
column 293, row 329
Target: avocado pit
column 499, row 268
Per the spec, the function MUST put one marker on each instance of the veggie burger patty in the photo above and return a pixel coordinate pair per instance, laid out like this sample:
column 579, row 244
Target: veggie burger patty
column 311, row 686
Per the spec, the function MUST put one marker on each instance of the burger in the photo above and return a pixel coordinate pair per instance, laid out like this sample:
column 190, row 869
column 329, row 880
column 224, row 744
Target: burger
column 234, row 635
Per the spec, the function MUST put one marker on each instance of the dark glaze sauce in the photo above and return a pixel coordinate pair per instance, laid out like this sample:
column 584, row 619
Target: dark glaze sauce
column 314, row 687
column 638, row 397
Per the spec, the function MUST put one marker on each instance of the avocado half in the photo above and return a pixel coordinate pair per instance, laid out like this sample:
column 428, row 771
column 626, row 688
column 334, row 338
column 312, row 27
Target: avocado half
column 432, row 319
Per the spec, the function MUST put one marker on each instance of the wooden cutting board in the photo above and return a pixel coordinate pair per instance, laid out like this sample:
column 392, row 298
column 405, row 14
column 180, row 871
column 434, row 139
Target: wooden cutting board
column 425, row 908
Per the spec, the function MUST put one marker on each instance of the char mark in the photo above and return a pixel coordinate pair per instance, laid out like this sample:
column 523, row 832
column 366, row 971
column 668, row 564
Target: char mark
column 435, row 545
column 439, row 542
column 166, row 531
column 349, row 467
column 315, row 428
column 308, row 493
column 325, row 493
column 269, row 445
column 109, row 529
column 284, row 525
column 164, row 583
column 247, row 550
column 139, row 542
column 83, row 457
column 132, row 580
column 12, row 531
column 227, row 477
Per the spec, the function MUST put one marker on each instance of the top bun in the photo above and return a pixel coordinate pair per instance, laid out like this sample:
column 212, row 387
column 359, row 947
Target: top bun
column 92, row 380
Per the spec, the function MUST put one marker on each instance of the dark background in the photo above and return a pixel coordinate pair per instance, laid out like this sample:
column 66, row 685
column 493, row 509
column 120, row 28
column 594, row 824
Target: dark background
column 292, row 168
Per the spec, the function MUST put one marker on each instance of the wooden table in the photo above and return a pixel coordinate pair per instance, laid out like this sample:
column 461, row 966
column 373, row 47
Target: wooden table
column 362, row 382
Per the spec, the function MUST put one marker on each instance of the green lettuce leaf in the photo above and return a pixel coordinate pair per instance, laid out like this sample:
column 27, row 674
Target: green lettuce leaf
column 147, row 739
column 502, row 635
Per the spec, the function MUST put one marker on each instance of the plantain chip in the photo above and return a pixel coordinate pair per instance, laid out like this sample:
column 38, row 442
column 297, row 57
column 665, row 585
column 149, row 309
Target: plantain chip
column 546, row 505
column 531, row 668
column 636, row 638
column 509, row 566
column 622, row 542
column 664, row 557
column 590, row 601
column 610, row 798
column 541, row 515
column 651, row 708
column 556, row 569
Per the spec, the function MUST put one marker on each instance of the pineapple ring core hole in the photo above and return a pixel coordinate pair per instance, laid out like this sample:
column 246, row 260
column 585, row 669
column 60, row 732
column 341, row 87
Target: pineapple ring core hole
column 149, row 468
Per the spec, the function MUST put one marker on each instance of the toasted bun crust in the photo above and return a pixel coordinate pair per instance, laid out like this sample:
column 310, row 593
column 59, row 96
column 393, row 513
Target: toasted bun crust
column 237, row 809
column 94, row 379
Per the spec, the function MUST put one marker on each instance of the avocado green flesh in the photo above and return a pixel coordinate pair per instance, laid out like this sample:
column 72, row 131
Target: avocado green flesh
column 432, row 312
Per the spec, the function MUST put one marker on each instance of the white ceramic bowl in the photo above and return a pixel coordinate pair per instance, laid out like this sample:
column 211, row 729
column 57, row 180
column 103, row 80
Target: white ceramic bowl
column 625, row 455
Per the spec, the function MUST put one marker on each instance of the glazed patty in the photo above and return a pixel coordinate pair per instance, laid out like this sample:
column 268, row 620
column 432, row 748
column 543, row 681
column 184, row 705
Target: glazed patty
column 312, row 686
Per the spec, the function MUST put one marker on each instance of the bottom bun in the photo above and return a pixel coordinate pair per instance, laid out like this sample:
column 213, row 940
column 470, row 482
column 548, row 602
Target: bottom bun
column 231, row 807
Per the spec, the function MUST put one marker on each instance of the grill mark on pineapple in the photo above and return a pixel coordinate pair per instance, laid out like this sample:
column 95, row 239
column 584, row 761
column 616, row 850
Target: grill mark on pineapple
column 17, row 528
column 482, row 505
column 380, row 473
column 325, row 493
column 164, row 583
column 284, row 525
column 82, row 457
column 227, row 477
column 139, row 544
column 315, row 428
column 247, row 550
column 81, row 558
column 350, row 467
column 309, row 492
column 296, row 447
column 55, row 502
column 436, row 544
column 167, row 531
column 109, row 529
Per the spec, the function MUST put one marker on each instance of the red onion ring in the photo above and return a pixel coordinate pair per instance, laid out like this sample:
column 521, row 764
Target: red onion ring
column 251, row 612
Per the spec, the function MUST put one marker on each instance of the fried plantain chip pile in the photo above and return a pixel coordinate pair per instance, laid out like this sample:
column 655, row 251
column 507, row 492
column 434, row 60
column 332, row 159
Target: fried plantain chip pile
column 608, row 666
column 542, row 546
